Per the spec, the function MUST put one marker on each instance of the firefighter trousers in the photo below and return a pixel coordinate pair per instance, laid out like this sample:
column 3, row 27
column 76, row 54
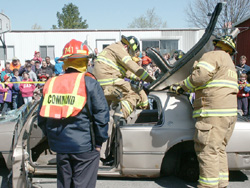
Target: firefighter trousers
column 121, row 91
column 211, row 138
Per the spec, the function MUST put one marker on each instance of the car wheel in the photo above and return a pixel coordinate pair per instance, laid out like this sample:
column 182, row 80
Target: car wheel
column 170, row 164
column 189, row 167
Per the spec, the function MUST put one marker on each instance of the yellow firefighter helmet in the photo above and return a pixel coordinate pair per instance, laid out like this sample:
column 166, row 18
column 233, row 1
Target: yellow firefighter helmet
column 226, row 43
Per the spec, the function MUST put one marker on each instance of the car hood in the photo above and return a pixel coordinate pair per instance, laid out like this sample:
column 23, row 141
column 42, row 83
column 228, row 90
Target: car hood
column 181, row 69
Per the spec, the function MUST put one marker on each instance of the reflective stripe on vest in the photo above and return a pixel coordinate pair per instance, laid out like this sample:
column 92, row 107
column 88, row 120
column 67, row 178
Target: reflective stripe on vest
column 126, row 59
column 188, row 84
column 206, row 65
column 223, row 176
column 133, row 77
column 208, row 181
column 214, row 83
column 127, row 106
column 144, row 75
column 143, row 104
column 214, row 112
column 108, row 81
column 64, row 96
column 112, row 64
column 220, row 83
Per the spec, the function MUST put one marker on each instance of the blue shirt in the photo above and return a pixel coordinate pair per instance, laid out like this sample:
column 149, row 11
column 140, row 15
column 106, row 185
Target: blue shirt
column 245, row 68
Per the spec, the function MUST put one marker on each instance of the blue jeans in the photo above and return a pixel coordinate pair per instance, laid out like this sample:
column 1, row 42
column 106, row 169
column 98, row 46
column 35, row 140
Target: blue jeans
column 242, row 103
column 14, row 101
column 6, row 107
column 27, row 99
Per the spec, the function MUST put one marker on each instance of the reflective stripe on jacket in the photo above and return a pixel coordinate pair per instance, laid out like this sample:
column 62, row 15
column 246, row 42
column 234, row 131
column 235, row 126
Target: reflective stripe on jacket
column 214, row 81
column 64, row 96
column 214, row 181
column 109, row 81
column 114, row 61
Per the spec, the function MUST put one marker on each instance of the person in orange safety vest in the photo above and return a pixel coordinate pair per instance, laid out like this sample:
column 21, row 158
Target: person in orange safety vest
column 75, row 114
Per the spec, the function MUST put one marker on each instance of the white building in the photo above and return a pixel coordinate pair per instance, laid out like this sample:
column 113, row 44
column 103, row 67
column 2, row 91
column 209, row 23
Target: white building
column 23, row 43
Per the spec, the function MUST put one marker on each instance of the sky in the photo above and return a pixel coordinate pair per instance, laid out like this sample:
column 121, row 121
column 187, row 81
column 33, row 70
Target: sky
column 100, row 14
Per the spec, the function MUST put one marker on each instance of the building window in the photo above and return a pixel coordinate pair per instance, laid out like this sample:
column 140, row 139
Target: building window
column 47, row 51
column 9, row 51
column 165, row 46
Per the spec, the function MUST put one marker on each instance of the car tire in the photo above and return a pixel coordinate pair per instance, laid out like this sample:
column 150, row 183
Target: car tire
column 189, row 167
column 170, row 164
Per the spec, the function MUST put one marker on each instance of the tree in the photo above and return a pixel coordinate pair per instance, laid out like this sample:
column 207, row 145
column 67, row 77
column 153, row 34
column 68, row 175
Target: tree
column 36, row 26
column 199, row 12
column 70, row 18
column 149, row 20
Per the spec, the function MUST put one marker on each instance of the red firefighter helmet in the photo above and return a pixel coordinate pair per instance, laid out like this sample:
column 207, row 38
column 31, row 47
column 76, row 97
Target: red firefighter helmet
column 74, row 49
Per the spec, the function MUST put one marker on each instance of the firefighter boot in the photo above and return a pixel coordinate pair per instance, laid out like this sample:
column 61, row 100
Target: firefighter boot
column 118, row 115
column 118, row 118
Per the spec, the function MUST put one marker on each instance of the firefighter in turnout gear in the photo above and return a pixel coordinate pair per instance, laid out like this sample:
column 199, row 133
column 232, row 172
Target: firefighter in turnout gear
column 76, row 115
column 214, row 81
column 112, row 66
column 110, row 69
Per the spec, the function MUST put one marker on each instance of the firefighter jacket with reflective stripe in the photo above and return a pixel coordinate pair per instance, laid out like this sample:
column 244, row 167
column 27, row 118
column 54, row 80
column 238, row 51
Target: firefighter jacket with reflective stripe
column 73, row 134
column 112, row 64
column 64, row 96
column 214, row 81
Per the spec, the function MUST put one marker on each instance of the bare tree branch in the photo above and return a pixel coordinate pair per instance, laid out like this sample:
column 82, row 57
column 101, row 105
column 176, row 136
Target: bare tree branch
column 149, row 20
column 197, row 13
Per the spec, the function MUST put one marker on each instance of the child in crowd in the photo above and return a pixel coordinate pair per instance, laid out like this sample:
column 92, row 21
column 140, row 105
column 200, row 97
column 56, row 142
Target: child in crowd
column 16, row 102
column 37, row 56
column 27, row 89
column 243, row 94
column 145, row 60
column 6, row 94
column 137, row 59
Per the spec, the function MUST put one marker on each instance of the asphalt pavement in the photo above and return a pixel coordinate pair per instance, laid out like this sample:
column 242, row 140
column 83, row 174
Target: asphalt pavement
column 238, row 179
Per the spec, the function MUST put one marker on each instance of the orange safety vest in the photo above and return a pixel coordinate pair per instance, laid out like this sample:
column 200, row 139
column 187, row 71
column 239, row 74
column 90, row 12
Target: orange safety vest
column 64, row 96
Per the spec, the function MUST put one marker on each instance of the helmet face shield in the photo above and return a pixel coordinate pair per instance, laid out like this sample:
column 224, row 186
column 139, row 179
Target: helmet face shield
column 78, row 64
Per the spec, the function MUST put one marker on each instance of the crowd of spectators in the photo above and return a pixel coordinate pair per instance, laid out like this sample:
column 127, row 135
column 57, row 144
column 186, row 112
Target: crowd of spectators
column 21, row 84
column 243, row 98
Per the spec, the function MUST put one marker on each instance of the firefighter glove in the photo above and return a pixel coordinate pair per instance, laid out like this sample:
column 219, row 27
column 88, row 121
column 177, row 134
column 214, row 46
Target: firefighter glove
column 176, row 88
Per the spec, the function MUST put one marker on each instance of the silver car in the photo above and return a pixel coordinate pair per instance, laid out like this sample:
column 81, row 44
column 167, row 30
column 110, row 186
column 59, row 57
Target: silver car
column 153, row 142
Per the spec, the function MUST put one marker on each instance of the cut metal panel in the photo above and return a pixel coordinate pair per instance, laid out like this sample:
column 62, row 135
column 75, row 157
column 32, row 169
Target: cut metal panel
column 183, row 66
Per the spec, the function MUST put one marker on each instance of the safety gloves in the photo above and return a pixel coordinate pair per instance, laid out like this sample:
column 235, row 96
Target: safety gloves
column 176, row 88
